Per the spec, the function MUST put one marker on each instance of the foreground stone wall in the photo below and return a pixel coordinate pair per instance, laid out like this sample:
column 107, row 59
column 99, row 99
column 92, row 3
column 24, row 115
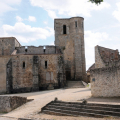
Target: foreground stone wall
column 105, row 82
column 8, row 103
column 105, row 57
column 99, row 63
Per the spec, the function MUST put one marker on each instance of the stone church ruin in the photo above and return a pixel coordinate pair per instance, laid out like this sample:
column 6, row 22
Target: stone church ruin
column 30, row 68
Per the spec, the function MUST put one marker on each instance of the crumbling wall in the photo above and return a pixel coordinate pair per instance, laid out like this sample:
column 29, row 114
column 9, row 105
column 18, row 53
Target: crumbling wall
column 9, row 84
column 22, row 73
column 98, row 60
column 32, row 50
column 8, row 103
column 3, row 73
column 7, row 45
column 30, row 72
column 105, row 82
column 49, row 75
column 105, row 57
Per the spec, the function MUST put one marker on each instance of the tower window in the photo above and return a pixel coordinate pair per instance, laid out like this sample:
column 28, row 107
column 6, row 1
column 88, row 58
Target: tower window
column 23, row 65
column 75, row 23
column 44, row 48
column 45, row 64
column 64, row 29
column 26, row 48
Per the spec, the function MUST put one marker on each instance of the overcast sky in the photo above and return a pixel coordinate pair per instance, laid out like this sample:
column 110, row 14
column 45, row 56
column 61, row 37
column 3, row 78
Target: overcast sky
column 32, row 22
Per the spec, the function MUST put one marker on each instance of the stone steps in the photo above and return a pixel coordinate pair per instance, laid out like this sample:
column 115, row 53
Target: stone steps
column 75, row 84
column 79, row 109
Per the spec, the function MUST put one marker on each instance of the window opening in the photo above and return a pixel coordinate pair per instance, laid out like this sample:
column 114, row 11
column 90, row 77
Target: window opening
column 64, row 29
column 23, row 65
column 44, row 48
column 26, row 48
column 46, row 64
column 75, row 23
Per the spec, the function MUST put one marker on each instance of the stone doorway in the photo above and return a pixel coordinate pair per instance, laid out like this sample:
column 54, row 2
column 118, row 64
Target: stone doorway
column 68, row 75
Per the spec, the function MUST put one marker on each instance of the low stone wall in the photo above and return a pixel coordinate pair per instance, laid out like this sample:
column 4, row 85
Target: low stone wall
column 105, row 82
column 8, row 103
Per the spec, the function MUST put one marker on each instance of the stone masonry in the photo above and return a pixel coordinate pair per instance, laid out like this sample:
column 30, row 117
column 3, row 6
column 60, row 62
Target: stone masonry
column 8, row 103
column 69, row 35
column 30, row 68
column 105, row 77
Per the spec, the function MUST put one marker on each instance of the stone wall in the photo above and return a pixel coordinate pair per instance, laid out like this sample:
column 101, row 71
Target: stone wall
column 27, row 73
column 73, row 44
column 105, row 82
column 37, row 50
column 98, row 60
column 105, row 57
column 7, row 45
column 3, row 62
column 8, row 103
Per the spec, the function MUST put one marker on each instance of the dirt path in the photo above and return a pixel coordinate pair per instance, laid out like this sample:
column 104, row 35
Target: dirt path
column 44, row 97
column 31, row 109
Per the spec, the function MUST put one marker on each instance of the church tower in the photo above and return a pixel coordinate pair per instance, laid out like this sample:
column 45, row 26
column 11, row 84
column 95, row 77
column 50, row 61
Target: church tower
column 69, row 35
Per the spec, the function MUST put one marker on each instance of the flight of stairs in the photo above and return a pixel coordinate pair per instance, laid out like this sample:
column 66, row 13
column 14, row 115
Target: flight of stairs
column 79, row 109
column 75, row 84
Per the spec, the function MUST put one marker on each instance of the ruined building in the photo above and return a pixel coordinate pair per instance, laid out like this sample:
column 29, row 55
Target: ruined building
column 30, row 68
column 105, row 73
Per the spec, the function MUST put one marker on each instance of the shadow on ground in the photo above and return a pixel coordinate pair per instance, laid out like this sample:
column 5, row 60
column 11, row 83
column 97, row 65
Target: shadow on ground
column 106, row 100
column 84, row 90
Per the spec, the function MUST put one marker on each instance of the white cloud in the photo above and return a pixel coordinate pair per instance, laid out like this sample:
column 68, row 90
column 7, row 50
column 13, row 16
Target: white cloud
column 7, row 5
column 32, row 18
column 116, row 13
column 91, row 40
column 45, row 22
column 19, row 19
column 68, row 7
column 52, row 14
column 26, row 33
column 11, row 2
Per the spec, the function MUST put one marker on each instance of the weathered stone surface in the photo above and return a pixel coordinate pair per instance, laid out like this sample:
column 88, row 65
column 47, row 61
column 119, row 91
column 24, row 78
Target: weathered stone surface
column 105, row 77
column 72, row 44
column 8, row 103
column 105, row 82
column 7, row 45
column 30, row 68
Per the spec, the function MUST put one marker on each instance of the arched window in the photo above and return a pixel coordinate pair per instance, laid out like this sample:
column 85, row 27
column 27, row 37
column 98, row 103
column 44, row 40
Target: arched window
column 23, row 65
column 64, row 29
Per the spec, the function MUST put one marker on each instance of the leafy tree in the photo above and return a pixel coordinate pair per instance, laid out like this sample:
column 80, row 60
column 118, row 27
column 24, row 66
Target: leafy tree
column 96, row 1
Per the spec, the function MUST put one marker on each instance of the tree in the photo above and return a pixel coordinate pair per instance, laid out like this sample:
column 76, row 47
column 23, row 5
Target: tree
column 96, row 1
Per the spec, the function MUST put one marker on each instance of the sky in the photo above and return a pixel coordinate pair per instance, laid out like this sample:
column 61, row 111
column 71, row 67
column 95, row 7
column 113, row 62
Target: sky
column 32, row 22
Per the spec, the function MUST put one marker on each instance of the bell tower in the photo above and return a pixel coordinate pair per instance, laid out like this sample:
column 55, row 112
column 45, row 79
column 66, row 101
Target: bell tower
column 69, row 35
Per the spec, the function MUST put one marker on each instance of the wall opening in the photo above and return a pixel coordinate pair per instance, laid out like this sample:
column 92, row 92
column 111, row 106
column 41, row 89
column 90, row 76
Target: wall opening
column 44, row 48
column 23, row 65
column 26, row 48
column 64, row 29
column 75, row 23
column 45, row 64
